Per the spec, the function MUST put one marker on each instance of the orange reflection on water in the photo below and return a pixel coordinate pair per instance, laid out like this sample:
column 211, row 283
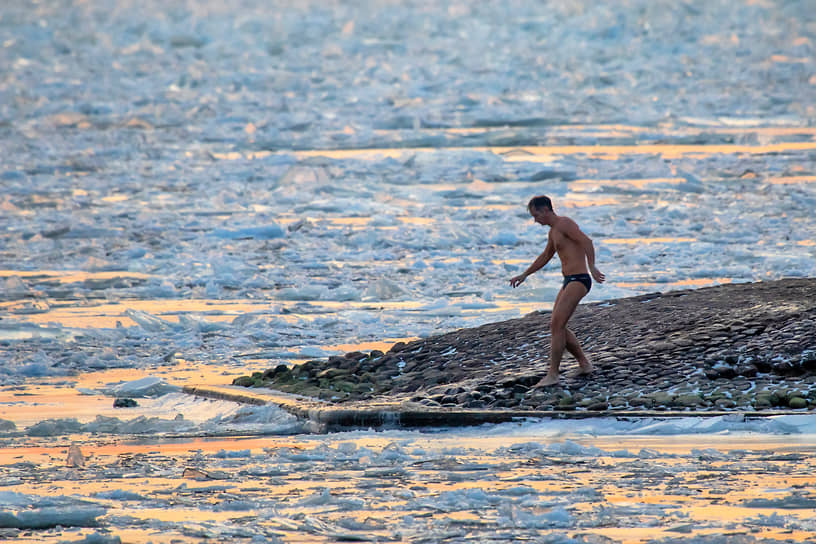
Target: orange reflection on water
column 646, row 241
column 691, row 495
column 107, row 315
column 54, row 398
column 690, row 282
column 637, row 183
column 587, row 200
column 417, row 220
column 73, row 276
column 791, row 180
column 546, row 153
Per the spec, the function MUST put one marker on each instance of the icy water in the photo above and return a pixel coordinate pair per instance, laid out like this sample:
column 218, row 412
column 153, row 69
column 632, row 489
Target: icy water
column 197, row 190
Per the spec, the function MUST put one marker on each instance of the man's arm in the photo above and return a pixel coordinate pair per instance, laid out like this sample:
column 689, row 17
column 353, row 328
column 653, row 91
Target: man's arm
column 572, row 230
column 537, row 265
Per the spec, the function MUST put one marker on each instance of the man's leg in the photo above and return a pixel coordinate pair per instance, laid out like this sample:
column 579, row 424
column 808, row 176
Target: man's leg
column 565, row 304
column 574, row 347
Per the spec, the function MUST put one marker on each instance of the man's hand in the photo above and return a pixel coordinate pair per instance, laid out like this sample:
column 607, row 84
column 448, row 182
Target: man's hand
column 597, row 275
column 516, row 281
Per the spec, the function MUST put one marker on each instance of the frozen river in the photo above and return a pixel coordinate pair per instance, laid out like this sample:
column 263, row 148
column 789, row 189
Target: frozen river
column 197, row 190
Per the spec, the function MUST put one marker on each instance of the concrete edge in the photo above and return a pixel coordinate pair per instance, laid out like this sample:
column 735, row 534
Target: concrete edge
column 325, row 416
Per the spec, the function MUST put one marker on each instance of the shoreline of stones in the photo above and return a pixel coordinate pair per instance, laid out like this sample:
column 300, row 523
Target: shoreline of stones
column 732, row 347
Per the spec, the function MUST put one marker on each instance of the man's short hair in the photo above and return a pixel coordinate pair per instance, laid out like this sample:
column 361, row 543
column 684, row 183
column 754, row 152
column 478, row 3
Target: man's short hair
column 540, row 202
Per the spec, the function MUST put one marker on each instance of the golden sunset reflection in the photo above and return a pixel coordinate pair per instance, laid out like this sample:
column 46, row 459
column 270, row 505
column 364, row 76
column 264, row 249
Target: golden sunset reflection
column 546, row 153
column 108, row 314
column 61, row 396
column 689, row 282
column 628, row 182
column 674, row 491
column 73, row 276
column 791, row 180
column 646, row 241
column 765, row 135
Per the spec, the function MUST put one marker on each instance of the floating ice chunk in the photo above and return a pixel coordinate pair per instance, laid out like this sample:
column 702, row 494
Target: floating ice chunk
column 303, row 293
column 709, row 454
column 150, row 322
column 519, row 491
column 225, row 454
column 341, row 294
column 312, row 353
column 149, row 386
column 265, row 232
column 648, row 453
column 268, row 419
column 383, row 289
column 235, row 506
column 573, row 448
column 301, row 177
column 774, row 520
column 55, row 427
column 119, row 495
column 505, row 238
column 138, row 425
column 41, row 369
column 98, row 538
column 14, row 287
column 796, row 500
column 513, row 516
column 320, row 498
column 75, row 457
column 6, row 425
column 90, row 232
column 35, row 512
column 53, row 516
column 476, row 305
column 720, row 424
column 442, row 309
column 211, row 289
column 199, row 324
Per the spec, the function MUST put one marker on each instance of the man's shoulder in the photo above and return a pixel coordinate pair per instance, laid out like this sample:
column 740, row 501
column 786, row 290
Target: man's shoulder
column 565, row 223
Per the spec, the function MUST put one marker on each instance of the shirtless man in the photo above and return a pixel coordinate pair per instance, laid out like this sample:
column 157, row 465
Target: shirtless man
column 575, row 250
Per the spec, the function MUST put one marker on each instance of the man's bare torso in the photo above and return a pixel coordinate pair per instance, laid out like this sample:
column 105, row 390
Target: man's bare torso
column 570, row 252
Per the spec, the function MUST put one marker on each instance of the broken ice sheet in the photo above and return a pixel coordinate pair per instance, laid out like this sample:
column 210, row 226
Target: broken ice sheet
column 23, row 511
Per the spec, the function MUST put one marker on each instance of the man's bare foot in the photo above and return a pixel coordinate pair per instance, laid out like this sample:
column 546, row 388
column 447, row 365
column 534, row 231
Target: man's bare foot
column 585, row 368
column 546, row 381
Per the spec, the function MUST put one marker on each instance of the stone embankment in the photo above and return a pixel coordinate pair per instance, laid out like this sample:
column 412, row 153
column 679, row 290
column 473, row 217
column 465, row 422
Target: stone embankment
column 727, row 348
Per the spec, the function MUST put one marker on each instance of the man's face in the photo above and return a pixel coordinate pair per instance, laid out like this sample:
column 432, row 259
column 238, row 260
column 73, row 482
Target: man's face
column 539, row 216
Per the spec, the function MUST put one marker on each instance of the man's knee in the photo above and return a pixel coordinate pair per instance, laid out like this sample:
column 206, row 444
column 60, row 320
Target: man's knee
column 558, row 326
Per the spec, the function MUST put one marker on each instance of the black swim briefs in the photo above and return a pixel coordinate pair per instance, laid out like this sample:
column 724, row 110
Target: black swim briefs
column 583, row 278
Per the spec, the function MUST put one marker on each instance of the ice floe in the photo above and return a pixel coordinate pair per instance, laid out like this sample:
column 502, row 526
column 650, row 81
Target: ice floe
column 23, row 511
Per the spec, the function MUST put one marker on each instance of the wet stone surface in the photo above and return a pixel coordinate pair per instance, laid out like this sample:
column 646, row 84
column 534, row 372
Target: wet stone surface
column 731, row 347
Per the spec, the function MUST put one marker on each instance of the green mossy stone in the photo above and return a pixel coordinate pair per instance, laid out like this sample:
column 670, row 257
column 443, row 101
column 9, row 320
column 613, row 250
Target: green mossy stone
column 763, row 400
column 331, row 373
column 688, row 400
column 565, row 402
column 363, row 389
column 725, row 404
column 797, row 402
column 344, row 386
column 617, row 402
column 243, row 381
column 660, row 398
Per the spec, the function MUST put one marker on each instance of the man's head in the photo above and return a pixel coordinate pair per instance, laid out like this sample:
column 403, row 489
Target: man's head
column 541, row 209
